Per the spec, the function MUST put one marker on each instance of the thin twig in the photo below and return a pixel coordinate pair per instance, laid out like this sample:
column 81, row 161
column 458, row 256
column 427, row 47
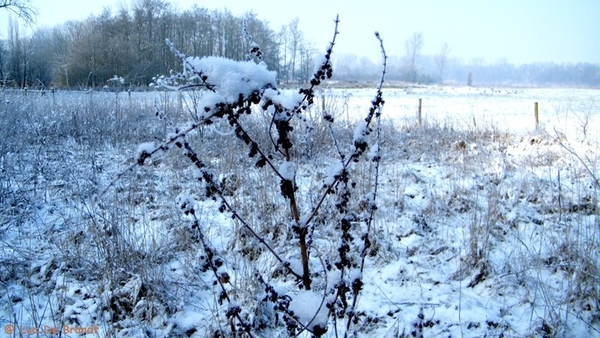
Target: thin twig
column 372, row 206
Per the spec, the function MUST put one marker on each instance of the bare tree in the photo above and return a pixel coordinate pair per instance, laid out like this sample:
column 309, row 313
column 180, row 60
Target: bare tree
column 307, row 52
column 2, row 59
column 282, row 41
column 130, row 43
column 295, row 45
column 441, row 59
column 17, row 57
column 413, row 48
column 22, row 8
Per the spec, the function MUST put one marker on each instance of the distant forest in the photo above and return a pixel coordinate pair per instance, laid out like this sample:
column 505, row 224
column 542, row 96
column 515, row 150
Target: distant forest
column 129, row 43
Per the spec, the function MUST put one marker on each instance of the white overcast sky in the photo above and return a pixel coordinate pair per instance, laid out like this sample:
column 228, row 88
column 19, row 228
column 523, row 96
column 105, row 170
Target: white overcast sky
column 521, row 31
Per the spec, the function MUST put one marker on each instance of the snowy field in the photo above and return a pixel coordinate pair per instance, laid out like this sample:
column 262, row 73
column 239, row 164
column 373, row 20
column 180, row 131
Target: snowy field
column 506, row 109
column 486, row 225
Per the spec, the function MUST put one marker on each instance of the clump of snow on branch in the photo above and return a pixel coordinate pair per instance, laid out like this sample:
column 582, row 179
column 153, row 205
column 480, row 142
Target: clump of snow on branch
column 289, row 102
column 287, row 170
column 310, row 309
column 143, row 151
column 361, row 133
column 374, row 153
column 333, row 172
column 116, row 80
column 296, row 266
column 230, row 78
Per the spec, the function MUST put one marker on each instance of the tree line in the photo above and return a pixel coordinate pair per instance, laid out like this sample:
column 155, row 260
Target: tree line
column 351, row 67
column 414, row 67
column 130, row 43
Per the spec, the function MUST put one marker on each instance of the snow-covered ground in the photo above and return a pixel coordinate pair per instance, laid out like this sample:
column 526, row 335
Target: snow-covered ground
column 486, row 226
column 506, row 109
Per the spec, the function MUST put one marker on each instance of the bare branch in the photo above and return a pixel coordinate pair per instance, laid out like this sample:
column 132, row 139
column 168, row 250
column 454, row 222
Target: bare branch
column 22, row 8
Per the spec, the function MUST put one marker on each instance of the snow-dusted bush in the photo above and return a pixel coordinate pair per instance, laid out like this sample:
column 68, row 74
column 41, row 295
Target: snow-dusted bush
column 301, row 283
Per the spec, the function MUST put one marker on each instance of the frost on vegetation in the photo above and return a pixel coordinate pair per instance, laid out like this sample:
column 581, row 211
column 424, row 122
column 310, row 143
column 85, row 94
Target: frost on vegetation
column 234, row 89
column 515, row 213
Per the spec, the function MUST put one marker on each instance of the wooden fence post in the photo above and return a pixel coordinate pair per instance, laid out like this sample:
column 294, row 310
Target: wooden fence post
column 420, row 116
column 537, row 116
